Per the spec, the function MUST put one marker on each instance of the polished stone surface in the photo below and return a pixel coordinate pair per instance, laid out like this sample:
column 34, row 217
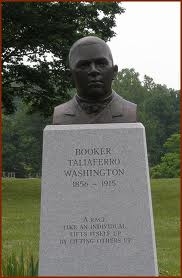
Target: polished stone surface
column 96, row 210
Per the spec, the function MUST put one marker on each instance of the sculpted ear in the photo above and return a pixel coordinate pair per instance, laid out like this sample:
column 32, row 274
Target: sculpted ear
column 70, row 77
column 115, row 71
column 68, row 73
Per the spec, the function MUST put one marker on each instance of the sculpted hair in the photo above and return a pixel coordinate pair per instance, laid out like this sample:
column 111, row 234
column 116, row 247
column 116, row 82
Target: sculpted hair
column 88, row 41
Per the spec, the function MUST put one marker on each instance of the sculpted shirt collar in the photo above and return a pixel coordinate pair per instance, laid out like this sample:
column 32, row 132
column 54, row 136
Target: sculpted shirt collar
column 116, row 107
column 91, row 107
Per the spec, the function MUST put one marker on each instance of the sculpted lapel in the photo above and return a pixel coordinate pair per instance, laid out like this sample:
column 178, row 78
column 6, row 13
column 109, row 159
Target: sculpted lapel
column 117, row 111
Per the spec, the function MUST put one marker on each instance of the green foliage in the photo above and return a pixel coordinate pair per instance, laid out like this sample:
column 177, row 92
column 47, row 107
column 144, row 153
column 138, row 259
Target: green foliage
column 41, row 33
column 158, row 109
column 21, row 204
column 32, row 30
column 170, row 162
column 172, row 144
column 128, row 85
column 168, row 168
column 19, row 266
column 22, row 142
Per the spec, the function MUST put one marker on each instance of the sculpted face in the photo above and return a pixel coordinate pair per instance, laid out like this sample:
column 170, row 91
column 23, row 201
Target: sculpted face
column 92, row 69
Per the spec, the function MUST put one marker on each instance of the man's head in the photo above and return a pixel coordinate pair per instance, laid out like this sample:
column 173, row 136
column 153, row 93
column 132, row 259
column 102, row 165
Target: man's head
column 92, row 68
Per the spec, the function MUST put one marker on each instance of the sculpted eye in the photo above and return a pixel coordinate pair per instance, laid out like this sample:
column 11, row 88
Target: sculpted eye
column 102, row 62
column 83, row 65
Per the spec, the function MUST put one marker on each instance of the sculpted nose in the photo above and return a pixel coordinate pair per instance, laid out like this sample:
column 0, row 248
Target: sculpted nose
column 93, row 69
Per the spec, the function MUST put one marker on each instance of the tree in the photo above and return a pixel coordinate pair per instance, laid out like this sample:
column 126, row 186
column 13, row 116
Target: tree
column 22, row 142
column 128, row 85
column 148, row 83
column 172, row 145
column 157, row 108
column 33, row 30
column 161, row 107
column 170, row 162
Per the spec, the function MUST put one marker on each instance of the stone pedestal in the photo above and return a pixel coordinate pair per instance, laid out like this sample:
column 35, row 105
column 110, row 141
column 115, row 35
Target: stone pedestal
column 96, row 210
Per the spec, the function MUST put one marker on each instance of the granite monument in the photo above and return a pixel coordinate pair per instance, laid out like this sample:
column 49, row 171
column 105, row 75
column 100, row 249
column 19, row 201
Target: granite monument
column 96, row 208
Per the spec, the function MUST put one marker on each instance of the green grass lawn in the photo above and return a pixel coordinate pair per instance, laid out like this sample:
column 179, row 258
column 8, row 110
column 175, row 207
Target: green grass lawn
column 21, row 207
column 165, row 197
column 20, row 211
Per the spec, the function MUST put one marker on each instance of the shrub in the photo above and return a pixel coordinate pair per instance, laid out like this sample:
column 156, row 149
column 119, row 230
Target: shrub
column 168, row 168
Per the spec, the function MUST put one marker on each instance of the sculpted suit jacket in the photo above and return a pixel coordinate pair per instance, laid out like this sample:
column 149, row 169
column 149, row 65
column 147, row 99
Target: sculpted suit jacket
column 118, row 110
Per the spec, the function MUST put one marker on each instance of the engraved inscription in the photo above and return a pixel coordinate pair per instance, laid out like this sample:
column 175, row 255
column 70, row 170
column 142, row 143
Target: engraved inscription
column 94, row 165
column 95, row 230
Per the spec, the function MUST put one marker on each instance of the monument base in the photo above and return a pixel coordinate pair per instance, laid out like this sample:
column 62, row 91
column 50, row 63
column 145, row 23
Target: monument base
column 96, row 210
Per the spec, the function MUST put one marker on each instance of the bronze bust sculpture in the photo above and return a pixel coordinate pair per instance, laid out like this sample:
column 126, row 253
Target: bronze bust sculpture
column 92, row 69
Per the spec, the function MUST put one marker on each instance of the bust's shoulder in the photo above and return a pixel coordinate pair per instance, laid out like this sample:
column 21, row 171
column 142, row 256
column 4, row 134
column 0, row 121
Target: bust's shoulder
column 60, row 110
column 126, row 107
column 124, row 101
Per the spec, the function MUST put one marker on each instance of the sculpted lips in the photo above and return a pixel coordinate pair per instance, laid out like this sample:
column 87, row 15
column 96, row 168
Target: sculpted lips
column 95, row 83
